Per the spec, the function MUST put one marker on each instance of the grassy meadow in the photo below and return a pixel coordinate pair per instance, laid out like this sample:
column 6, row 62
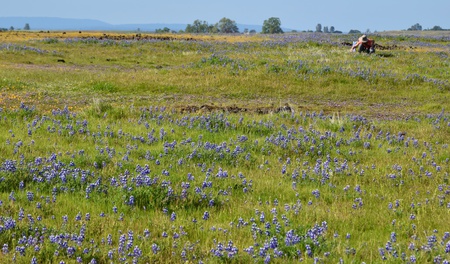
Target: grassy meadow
column 141, row 148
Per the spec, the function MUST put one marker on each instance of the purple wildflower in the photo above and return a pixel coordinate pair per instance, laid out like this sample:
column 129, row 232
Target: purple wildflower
column 205, row 215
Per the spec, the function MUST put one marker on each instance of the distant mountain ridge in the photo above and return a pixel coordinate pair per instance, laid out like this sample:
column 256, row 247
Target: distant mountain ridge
column 55, row 23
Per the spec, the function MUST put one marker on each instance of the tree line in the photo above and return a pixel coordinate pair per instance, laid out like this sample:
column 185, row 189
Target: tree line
column 11, row 28
column 270, row 26
column 418, row 27
column 225, row 25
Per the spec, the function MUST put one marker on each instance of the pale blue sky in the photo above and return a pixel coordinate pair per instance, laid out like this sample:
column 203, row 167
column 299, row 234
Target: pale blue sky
column 295, row 14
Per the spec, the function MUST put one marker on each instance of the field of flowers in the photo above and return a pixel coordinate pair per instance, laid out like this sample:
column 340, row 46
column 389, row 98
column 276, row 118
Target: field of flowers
column 223, row 149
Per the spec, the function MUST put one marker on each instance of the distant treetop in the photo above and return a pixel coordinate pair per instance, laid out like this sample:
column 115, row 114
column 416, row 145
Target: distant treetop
column 272, row 26
column 416, row 26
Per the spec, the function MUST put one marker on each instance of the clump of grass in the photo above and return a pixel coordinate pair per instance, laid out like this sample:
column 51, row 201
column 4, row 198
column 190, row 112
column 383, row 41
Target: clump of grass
column 104, row 87
column 50, row 40
column 100, row 108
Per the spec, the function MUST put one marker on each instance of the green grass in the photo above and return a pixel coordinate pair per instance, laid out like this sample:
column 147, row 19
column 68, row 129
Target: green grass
column 363, row 155
column 241, row 73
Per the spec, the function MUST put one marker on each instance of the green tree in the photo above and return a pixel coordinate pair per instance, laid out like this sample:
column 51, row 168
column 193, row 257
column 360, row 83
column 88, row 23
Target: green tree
column 272, row 26
column 213, row 29
column 319, row 28
column 227, row 25
column 437, row 28
column 331, row 29
column 354, row 31
column 197, row 27
column 11, row 28
column 164, row 30
column 416, row 26
column 26, row 27
column 325, row 30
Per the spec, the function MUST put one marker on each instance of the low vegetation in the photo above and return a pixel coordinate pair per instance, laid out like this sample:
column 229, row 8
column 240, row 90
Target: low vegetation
column 132, row 148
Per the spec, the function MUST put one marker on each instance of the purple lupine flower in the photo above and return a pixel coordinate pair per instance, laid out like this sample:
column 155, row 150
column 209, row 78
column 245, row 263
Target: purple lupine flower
column 250, row 250
column 316, row 193
column 131, row 200
column 170, row 192
column 70, row 251
column 273, row 242
column 30, row 196
column 11, row 197
column 308, row 251
column 262, row 217
column 190, row 177
column 382, row 253
column 21, row 214
column 120, row 248
column 388, row 246
column 9, row 166
column 291, row 238
column 30, row 218
column 205, row 215
column 432, row 240
column 155, row 248
column 130, row 239
column 393, row 237
column 232, row 250
column 110, row 254
column 21, row 250
column 109, row 239
column 173, row 216
column 9, row 223
column 5, row 249
column 437, row 259
column 137, row 252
